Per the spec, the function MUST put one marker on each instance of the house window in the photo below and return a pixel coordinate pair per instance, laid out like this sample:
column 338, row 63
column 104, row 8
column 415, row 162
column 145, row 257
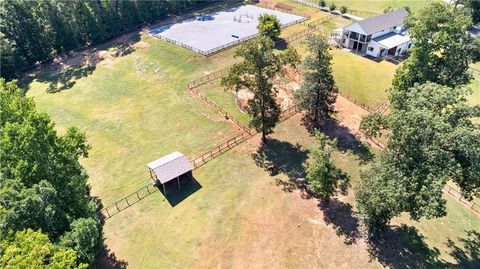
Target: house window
column 370, row 48
column 410, row 45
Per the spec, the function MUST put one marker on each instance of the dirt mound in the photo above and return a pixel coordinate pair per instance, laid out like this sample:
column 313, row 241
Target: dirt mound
column 141, row 45
column 283, row 96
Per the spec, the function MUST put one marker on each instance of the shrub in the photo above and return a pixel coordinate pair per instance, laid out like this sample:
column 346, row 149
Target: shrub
column 343, row 9
column 322, row 3
column 332, row 7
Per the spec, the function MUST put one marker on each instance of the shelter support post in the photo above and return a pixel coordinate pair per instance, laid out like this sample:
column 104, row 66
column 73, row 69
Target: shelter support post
column 178, row 181
column 164, row 190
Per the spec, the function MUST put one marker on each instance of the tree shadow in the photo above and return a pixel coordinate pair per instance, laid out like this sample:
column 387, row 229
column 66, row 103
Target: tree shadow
column 286, row 158
column 469, row 257
column 281, row 44
column 106, row 259
column 188, row 186
column 403, row 247
column 346, row 140
column 62, row 72
column 340, row 215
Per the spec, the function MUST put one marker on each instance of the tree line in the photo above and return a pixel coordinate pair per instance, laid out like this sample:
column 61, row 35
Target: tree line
column 33, row 31
column 47, row 217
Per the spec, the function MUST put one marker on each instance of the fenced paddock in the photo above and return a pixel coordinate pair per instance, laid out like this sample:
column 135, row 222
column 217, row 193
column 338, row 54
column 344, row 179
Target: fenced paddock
column 210, row 33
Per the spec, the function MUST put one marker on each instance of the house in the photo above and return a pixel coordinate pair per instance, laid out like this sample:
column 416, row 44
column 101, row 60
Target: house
column 379, row 36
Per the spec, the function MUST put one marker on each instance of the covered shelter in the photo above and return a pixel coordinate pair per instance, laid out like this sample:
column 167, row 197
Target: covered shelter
column 170, row 167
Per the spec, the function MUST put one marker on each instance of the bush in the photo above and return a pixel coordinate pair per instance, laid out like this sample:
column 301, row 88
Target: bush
column 343, row 9
column 322, row 3
column 332, row 7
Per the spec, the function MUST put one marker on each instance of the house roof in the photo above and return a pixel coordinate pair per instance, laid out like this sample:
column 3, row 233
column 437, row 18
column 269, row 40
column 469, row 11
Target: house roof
column 170, row 166
column 392, row 40
column 381, row 22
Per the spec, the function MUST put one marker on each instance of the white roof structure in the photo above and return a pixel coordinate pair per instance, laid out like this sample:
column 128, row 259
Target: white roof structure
column 392, row 40
column 170, row 166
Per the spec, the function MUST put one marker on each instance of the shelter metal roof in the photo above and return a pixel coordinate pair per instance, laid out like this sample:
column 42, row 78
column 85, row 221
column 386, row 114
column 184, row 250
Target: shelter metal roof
column 170, row 166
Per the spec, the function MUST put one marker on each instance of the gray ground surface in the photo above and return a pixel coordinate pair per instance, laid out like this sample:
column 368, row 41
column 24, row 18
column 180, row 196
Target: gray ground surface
column 214, row 30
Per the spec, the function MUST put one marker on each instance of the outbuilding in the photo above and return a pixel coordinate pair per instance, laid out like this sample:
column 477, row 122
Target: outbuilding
column 170, row 167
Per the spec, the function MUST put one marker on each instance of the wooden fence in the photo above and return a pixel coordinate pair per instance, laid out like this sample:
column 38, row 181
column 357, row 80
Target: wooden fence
column 356, row 102
column 220, row 149
column 127, row 201
column 219, row 109
column 321, row 21
column 457, row 195
column 210, row 77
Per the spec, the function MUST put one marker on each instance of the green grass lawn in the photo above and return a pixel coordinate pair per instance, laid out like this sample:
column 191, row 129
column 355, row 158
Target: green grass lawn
column 240, row 206
column 137, row 108
column 135, row 111
column 377, row 6
column 225, row 99
column 361, row 78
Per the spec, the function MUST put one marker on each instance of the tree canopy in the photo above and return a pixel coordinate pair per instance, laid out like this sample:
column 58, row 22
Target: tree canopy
column 442, row 49
column 432, row 140
column 322, row 175
column 42, row 184
column 30, row 249
column 318, row 92
column 269, row 26
column 260, row 64
column 34, row 31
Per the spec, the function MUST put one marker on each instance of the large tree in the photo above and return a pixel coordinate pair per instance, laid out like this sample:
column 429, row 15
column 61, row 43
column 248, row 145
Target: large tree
column 269, row 26
column 318, row 91
column 260, row 64
column 42, row 184
column 322, row 175
column 442, row 49
column 432, row 139
column 30, row 249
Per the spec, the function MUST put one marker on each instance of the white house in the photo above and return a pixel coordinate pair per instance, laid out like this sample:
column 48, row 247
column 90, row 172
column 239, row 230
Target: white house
column 378, row 36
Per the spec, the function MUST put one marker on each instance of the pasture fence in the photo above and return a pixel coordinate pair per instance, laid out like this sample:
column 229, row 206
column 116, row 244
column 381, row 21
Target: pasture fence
column 318, row 22
column 457, row 195
column 356, row 102
column 383, row 107
column 474, row 71
column 127, row 201
column 220, row 149
column 224, row 46
column 354, row 12
column 207, row 78
column 219, row 109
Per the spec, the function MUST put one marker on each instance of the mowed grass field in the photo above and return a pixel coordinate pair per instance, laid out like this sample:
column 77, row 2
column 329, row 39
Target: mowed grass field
column 242, row 217
column 137, row 108
column 377, row 6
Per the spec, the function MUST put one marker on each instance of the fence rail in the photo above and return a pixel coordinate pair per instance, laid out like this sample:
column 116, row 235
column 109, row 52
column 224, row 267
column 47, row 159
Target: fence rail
column 219, row 109
column 224, row 46
column 127, row 201
column 356, row 102
column 220, row 149
column 457, row 195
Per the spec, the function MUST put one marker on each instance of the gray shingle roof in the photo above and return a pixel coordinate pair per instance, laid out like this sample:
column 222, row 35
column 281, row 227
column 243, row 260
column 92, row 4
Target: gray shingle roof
column 384, row 21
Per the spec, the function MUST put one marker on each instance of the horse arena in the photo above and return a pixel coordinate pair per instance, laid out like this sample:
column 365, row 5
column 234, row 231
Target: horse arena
column 212, row 32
